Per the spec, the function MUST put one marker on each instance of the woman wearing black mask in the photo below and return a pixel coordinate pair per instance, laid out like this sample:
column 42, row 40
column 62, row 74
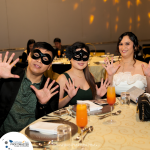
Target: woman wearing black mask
column 78, row 83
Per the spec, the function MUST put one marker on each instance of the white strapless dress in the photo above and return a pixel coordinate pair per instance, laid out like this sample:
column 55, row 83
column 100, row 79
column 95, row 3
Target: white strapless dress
column 123, row 81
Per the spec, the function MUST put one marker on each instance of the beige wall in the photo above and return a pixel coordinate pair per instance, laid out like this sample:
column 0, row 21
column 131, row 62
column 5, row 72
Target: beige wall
column 43, row 20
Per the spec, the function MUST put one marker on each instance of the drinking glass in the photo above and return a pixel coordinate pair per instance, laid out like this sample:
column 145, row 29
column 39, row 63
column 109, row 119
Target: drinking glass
column 59, row 53
column 111, row 99
column 125, row 100
column 64, row 141
column 81, row 120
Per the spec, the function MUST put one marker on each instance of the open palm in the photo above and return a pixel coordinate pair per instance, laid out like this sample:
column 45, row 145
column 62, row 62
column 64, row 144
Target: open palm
column 45, row 94
column 5, row 66
column 146, row 69
column 103, row 88
column 111, row 70
column 70, row 89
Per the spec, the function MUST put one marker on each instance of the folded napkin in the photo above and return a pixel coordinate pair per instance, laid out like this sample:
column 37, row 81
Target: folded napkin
column 45, row 127
column 92, row 105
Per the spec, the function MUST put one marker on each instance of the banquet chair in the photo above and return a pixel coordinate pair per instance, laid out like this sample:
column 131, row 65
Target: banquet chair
column 98, row 52
column 60, row 68
column 147, row 59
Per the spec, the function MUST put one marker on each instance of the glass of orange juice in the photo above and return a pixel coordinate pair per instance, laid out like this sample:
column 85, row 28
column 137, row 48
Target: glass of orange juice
column 81, row 121
column 59, row 53
column 111, row 99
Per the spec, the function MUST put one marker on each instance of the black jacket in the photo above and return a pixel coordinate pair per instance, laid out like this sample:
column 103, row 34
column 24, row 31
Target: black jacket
column 8, row 92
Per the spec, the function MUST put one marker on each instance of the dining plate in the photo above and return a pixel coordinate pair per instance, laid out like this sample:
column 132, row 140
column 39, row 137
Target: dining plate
column 103, row 55
column 37, row 136
column 105, row 109
column 57, row 62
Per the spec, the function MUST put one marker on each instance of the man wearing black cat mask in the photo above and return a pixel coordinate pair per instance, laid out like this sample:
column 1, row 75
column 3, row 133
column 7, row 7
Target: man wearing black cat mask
column 26, row 95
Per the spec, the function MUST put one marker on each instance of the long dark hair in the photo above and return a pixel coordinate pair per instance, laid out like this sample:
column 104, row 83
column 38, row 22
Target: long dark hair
column 133, row 38
column 31, row 41
column 88, row 76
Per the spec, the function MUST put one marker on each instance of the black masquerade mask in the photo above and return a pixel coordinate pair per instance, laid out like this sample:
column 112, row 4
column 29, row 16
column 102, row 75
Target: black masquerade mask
column 81, row 55
column 45, row 58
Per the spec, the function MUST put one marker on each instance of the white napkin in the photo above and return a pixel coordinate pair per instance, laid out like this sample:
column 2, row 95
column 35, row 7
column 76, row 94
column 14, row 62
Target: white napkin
column 92, row 105
column 45, row 127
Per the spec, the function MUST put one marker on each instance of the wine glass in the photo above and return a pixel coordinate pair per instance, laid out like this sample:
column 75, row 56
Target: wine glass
column 111, row 99
column 81, row 120
column 59, row 53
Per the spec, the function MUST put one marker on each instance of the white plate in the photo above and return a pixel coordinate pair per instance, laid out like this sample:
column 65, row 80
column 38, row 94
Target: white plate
column 57, row 62
column 103, row 55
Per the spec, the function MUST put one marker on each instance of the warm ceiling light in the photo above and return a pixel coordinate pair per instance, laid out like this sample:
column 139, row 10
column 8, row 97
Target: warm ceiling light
column 149, row 14
column 138, row 2
column 117, row 19
column 138, row 18
column 63, row 0
column 105, row 0
column 116, row 28
column 115, row 1
column 91, row 19
column 75, row 6
column 130, row 20
column 129, row 4
column 107, row 25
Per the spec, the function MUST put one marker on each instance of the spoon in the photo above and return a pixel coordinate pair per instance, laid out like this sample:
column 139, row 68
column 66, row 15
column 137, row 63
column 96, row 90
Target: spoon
column 104, row 116
column 78, row 137
column 90, row 129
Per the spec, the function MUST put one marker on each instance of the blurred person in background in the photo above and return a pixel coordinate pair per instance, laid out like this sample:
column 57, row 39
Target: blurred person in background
column 59, row 47
column 25, row 54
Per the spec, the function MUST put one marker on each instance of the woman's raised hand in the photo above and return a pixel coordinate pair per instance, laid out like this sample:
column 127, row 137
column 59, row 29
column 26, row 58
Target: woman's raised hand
column 111, row 70
column 70, row 88
column 103, row 88
column 5, row 66
column 146, row 69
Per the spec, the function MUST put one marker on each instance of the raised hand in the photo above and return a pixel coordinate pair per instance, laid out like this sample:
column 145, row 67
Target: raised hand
column 5, row 66
column 111, row 70
column 146, row 70
column 70, row 89
column 45, row 94
column 103, row 88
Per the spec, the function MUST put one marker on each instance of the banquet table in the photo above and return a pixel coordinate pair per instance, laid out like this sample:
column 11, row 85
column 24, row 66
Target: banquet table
column 95, row 67
column 128, row 133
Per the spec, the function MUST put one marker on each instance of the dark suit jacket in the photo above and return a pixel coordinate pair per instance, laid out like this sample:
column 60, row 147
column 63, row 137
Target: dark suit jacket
column 8, row 92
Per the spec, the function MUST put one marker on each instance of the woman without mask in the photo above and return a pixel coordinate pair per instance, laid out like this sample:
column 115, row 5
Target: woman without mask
column 128, row 72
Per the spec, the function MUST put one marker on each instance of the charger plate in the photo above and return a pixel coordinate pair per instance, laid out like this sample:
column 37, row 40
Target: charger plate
column 37, row 136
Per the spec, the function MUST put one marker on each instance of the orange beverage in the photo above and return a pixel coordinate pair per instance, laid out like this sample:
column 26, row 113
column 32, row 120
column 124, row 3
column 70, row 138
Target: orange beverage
column 59, row 52
column 81, row 115
column 111, row 95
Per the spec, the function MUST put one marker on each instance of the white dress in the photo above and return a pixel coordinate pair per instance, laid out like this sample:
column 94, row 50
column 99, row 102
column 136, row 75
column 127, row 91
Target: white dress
column 123, row 81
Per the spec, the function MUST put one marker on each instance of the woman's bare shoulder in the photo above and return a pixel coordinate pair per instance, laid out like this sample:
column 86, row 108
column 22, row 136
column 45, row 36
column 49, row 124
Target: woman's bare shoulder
column 139, row 63
column 61, row 78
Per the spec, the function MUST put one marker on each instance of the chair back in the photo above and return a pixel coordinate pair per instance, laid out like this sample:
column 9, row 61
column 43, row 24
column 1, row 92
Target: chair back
column 60, row 68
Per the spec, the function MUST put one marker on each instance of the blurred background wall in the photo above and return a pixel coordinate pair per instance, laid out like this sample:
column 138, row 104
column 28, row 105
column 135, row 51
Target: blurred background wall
column 89, row 21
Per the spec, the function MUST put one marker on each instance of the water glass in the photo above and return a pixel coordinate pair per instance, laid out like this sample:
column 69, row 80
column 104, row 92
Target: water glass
column 64, row 141
column 125, row 99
